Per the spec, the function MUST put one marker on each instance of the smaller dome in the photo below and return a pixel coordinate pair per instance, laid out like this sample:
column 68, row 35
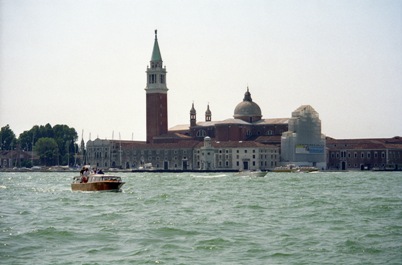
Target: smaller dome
column 247, row 110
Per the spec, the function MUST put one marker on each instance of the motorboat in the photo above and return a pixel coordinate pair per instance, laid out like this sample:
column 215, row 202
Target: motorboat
column 97, row 182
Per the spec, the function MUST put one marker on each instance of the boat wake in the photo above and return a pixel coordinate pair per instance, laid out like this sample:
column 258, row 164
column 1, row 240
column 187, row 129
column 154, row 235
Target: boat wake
column 208, row 176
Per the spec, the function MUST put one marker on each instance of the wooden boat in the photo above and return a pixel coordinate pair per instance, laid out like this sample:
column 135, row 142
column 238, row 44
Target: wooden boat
column 97, row 182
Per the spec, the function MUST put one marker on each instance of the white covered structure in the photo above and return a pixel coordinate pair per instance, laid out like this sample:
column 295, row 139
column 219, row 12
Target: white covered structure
column 303, row 144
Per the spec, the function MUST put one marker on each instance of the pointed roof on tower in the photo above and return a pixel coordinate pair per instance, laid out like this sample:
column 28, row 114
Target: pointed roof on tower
column 156, row 53
column 192, row 111
column 208, row 111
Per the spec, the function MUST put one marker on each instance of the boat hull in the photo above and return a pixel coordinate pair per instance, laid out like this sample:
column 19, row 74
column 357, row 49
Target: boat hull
column 98, row 186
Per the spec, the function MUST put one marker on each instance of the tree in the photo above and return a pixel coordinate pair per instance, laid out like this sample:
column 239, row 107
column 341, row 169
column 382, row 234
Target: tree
column 48, row 151
column 64, row 136
column 7, row 138
column 27, row 140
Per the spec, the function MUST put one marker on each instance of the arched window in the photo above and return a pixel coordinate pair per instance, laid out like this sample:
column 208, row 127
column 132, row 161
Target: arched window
column 201, row 133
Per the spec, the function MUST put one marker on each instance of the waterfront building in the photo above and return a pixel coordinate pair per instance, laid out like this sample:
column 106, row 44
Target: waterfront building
column 304, row 144
column 229, row 155
column 137, row 154
column 246, row 141
column 16, row 158
column 365, row 154
column 246, row 125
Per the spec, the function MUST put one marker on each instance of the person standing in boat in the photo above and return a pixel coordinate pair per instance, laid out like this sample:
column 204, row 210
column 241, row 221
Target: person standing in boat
column 85, row 174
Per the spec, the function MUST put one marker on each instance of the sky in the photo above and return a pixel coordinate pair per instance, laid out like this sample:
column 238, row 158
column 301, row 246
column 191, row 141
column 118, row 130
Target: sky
column 83, row 63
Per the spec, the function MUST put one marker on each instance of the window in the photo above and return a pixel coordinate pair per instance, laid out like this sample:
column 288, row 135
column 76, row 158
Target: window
column 152, row 78
column 201, row 133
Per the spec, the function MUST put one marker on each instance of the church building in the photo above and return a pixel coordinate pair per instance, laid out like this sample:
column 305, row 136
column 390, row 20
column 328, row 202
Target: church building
column 246, row 141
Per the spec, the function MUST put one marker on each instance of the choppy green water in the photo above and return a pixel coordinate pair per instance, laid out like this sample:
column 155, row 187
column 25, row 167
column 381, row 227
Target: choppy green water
column 283, row 218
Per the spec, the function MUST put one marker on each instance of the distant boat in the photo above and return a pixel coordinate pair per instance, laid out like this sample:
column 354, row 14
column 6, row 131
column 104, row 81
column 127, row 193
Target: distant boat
column 295, row 169
column 97, row 182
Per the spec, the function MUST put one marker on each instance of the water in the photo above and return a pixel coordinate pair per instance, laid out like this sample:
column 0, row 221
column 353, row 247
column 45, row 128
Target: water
column 189, row 218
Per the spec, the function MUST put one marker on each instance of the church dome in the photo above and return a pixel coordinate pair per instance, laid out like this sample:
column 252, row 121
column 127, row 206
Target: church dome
column 247, row 110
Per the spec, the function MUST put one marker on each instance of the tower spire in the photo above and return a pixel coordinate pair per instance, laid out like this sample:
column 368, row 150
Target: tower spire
column 156, row 93
column 193, row 116
column 208, row 114
column 156, row 53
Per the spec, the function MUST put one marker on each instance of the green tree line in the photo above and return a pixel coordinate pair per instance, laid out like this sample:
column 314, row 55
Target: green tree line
column 52, row 145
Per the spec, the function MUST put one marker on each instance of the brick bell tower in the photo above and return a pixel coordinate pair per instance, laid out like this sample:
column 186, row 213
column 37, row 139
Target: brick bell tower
column 156, row 94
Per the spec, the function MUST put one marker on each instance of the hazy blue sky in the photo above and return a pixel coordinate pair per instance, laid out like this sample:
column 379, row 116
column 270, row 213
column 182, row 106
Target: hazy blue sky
column 82, row 63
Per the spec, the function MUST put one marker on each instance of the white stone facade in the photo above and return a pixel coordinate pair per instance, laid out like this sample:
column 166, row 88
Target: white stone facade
column 242, row 155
